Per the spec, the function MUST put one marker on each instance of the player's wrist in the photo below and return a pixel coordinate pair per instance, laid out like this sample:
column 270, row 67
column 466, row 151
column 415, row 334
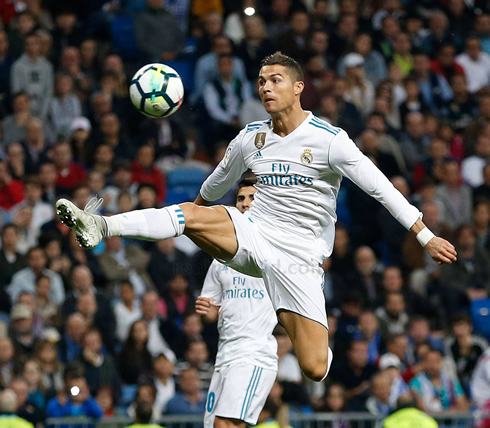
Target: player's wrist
column 425, row 236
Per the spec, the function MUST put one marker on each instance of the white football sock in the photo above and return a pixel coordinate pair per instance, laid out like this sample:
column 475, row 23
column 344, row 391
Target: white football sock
column 150, row 224
column 330, row 358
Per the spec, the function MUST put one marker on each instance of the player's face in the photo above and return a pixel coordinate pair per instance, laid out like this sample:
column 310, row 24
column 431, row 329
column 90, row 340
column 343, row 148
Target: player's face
column 245, row 197
column 276, row 89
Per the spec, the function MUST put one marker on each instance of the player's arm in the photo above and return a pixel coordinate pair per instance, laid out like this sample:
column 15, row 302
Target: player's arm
column 346, row 158
column 208, row 303
column 227, row 173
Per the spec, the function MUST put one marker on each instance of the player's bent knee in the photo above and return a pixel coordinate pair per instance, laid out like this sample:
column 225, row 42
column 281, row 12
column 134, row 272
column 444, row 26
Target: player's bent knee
column 316, row 368
column 228, row 423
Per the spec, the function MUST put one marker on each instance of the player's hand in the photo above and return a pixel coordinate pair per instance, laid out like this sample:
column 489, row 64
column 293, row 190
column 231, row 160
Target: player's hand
column 441, row 250
column 203, row 305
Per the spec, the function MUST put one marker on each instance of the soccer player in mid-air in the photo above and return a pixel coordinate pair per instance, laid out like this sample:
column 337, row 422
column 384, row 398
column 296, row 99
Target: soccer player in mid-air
column 246, row 364
column 299, row 161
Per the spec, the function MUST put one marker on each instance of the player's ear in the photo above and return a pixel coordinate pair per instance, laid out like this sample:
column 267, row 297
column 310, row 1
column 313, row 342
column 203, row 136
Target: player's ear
column 298, row 87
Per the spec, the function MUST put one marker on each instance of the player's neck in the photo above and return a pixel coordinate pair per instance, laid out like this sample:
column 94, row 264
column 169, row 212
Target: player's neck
column 288, row 120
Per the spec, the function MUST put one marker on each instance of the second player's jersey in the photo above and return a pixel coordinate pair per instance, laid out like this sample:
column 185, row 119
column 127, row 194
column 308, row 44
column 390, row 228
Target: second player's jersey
column 246, row 317
column 298, row 180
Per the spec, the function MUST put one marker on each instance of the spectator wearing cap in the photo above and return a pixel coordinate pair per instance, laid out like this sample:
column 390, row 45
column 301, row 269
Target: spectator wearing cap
column 391, row 365
column 374, row 63
column 192, row 399
column 79, row 132
column 476, row 65
column 25, row 279
column 65, row 106
column 358, row 90
column 435, row 389
column 22, row 332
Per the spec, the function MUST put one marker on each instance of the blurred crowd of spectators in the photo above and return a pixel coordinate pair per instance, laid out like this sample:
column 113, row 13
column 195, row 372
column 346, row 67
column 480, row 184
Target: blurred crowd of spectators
column 94, row 332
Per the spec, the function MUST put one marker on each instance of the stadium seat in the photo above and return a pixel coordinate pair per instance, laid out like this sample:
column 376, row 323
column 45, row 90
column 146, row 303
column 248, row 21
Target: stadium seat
column 480, row 315
column 123, row 38
column 186, row 73
column 185, row 182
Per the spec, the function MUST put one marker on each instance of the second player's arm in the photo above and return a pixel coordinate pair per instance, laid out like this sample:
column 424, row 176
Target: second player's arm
column 204, row 307
column 346, row 158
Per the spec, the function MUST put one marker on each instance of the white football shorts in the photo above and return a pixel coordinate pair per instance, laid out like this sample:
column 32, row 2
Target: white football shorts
column 294, row 283
column 238, row 391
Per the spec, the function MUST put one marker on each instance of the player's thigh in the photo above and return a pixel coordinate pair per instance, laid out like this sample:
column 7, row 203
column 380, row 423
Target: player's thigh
column 310, row 342
column 211, row 229
column 240, row 393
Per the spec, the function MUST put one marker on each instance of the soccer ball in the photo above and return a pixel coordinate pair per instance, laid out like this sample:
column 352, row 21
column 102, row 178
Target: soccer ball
column 156, row 90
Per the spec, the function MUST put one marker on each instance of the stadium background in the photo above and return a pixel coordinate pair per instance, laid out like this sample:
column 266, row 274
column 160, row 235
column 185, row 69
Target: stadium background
column 409, row 80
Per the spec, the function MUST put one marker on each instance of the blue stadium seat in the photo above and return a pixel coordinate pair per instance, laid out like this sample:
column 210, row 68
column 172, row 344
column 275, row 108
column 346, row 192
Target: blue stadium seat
column 128, row 392
column 480, row 315
column 186, row 73
column 185, row 182
column 177, row 197
column 123, row 38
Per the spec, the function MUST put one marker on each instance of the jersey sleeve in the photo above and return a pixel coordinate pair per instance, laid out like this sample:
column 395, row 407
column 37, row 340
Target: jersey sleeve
column 345, row 158
column 228, row 171
column 212, row 285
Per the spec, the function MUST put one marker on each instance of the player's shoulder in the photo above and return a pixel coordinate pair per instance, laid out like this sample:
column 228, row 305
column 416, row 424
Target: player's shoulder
column 322, row 125
column 257, row 125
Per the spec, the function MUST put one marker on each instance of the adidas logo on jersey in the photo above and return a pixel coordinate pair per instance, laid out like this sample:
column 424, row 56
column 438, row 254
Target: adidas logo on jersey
column 257, row 155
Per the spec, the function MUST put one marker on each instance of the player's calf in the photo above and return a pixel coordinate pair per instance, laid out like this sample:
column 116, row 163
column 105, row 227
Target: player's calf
column 228, row 423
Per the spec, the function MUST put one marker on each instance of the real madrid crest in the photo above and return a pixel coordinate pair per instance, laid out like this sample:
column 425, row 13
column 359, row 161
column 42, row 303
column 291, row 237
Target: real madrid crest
column 260, row 140
column 307, row 157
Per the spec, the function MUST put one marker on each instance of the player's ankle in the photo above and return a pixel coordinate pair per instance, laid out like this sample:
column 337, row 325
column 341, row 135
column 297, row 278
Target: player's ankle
column 113, row 227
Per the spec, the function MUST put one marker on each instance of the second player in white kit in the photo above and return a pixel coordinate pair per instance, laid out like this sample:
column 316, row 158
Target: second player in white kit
column 246, row 363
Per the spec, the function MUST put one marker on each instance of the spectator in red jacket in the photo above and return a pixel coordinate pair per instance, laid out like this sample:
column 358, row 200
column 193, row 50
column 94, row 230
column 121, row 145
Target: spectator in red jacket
column 69, row 173
column 11, row 191
column 445, row 65
column 144, row 171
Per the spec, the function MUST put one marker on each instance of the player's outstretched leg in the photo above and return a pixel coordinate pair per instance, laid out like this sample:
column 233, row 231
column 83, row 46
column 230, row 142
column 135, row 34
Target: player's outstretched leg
column 310, row 343
column 209, row 227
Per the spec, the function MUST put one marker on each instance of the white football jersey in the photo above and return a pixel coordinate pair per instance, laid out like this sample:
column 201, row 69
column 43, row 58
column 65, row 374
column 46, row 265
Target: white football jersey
column 246, row 317
column 298, row 180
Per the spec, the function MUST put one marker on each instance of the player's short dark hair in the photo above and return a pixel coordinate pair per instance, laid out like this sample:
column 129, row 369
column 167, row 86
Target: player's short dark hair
column 292, row 67
column 247, row 182
column 143, row 412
